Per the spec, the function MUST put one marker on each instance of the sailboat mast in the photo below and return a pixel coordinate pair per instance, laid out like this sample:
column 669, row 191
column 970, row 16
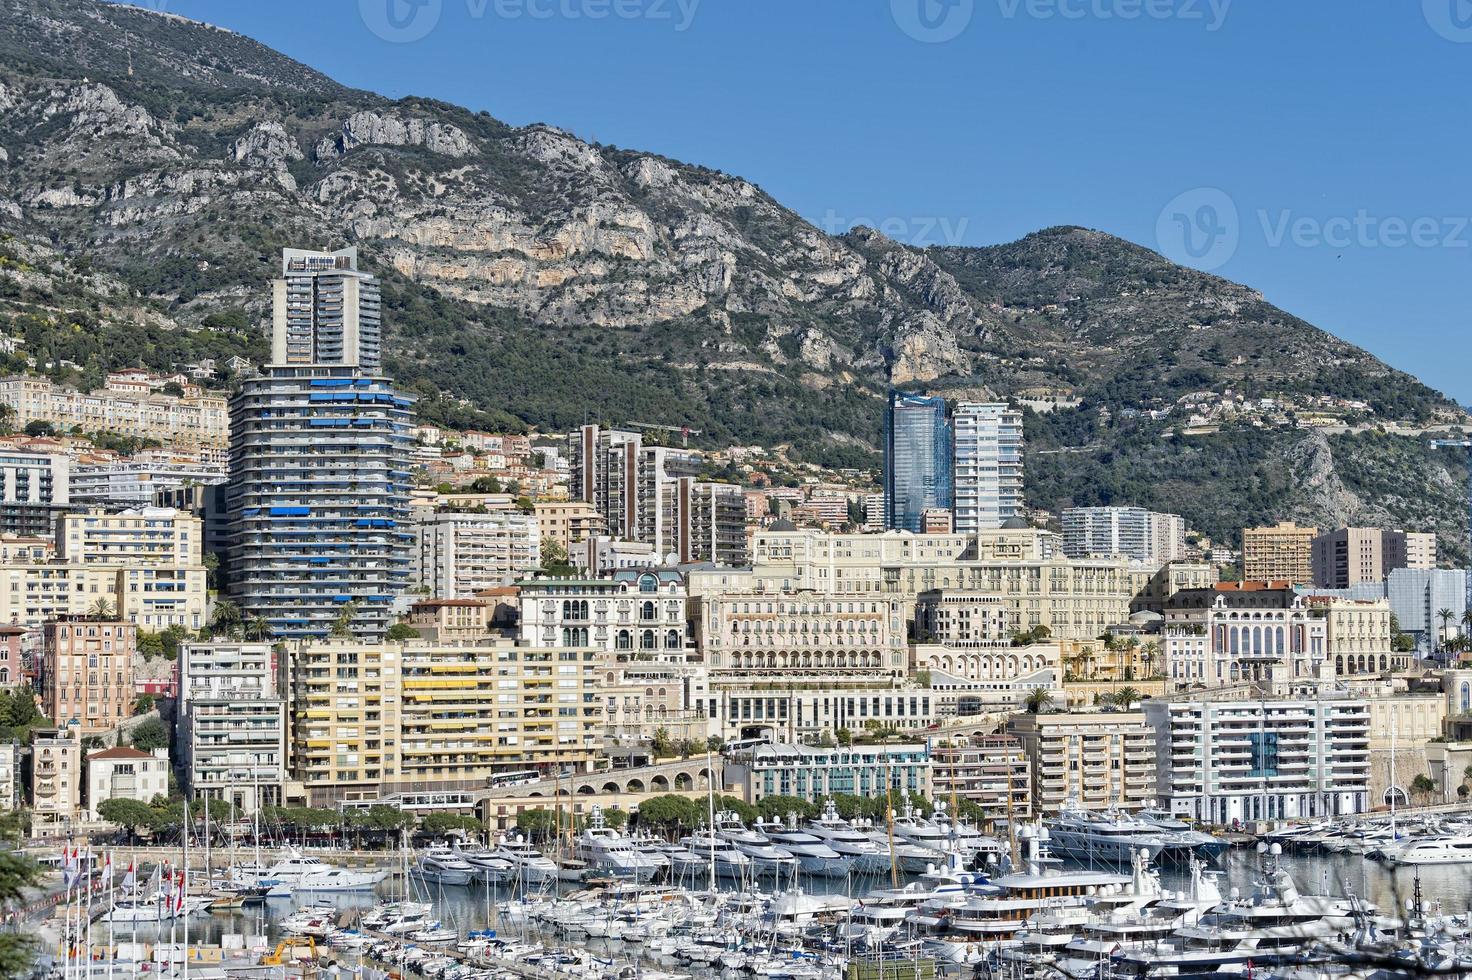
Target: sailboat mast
column 894, row 871
column 710, row 787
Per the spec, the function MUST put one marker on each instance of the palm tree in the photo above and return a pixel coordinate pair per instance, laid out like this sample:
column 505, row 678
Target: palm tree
column 1152, row 655
column 258, row 629
column 101, row 609
column 343, row 625
column 1038, row 701
column 1127, row 696
column 226, row 616
column 1446, row 616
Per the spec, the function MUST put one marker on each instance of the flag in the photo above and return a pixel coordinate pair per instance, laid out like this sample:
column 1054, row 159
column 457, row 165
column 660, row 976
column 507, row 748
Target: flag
column 179, row 893
column 69, row 867
column 130, row 880
column 106, row 880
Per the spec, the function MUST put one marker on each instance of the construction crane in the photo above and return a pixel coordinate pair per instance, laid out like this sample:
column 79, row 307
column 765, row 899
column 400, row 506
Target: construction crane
column 684, row 430
column 1463, row 443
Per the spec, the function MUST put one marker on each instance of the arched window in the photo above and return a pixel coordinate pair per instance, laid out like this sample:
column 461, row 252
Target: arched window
column 647, row 611
column 1466, row 697
column 646, row 640
column 648, row 583
column 624, row 640
column 672, row 640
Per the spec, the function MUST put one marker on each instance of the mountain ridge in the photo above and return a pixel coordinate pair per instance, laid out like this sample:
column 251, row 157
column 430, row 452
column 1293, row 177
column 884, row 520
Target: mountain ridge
column 532, row 278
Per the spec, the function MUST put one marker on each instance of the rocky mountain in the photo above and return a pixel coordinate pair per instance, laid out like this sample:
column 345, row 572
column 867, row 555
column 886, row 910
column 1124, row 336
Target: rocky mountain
column 151, row 168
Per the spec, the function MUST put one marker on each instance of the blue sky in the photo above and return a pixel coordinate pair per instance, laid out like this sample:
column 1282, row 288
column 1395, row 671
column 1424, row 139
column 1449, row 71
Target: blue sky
column 1314, row 149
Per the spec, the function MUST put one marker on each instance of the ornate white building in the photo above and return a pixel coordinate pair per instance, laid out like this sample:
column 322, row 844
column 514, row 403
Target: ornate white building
column 1234, row 632
column 634, row 609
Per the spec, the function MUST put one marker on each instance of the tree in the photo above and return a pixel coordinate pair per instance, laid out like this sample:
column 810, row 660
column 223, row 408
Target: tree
column 40, row 427
column 735, row 804
column 258, row 629
column 132, row 815
column 845, row 737
column 17, row 949
column 617, row 819
column 1422, row 785
column 439, row 824
column 144, row 703
column 825, row 739
column 225, row 618
column 211, row 564
column 485, row 484
column 535, row 824
column 149, row 735
column 342, row 626
column 1446, row 616
column 1126, row 697
column 1038, row 701
column 401, row 631
column 778, row 807
column 101, row 609
column 661, row 745
column 671, row 813
column 554, row 558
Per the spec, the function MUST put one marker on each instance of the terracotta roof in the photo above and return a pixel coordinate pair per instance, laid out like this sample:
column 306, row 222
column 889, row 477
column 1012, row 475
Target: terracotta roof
column 122, row 752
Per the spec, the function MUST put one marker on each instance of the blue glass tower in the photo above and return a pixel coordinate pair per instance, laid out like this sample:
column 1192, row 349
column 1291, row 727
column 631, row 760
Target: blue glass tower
column 917, row 459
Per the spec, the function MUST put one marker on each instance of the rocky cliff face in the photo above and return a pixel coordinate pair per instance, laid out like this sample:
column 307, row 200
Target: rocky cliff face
column 535, row 277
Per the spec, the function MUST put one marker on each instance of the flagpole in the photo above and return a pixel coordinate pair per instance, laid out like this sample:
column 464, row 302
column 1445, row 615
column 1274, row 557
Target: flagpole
column 183, row 908
column 87, row 926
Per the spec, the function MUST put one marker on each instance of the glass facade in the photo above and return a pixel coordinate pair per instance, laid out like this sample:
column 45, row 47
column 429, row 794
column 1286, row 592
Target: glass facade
column 917, row 459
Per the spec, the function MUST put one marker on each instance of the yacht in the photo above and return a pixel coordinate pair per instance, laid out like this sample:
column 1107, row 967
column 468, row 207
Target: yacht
column 526, row 861
column 704, row 852
column 1202, row 844
column 813, row 856
column 1095, row 838
column 907, row 855
column 484, row 865
column 767, row 858
column 441, row 866
column 1274, row 921
column 606, row 849
column 136, row 911
column 1440, row 849
column 308, row 874
column 868, row 855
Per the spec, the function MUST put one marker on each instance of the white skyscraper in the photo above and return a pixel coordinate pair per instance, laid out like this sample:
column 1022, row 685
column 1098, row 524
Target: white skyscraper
column 987, row 465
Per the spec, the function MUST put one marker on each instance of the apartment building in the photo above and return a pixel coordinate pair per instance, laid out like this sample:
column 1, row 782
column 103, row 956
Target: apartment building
column 917, row 459
column 325, row 311
column 1352, row 556
column 35, row 488
column 1239, row 631
column 1229, row 761
column 1138, row 534
column 815, row 773
column 652, row 495
column 1357, row 635
column 634, row 609
column 138, row 482
column 458, row 553
column 124, row 773
column 9, row 776
column 153, row 536
column 986, row 471
column 317, row 501
column 374, row 719
column 195, row 420
column 57, row 779
column 567, row 522
column 1282, row 552
column 991, row 771
column 643, row 693
column 86, row 673
column 230, row 724
column 1099, row 759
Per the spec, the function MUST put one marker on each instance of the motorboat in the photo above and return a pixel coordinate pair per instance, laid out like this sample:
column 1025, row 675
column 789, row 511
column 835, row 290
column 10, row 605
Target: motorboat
column 813, row 855
column 527, row 863
column 767, row 857
column 308, row 874
column 439, row 865
column 1108, row 838
column 139, row 911
column 868, row 855
column 705, row 852
column 1200, row 843
column 1439, row 849
column 606, row 849
column 485, row 866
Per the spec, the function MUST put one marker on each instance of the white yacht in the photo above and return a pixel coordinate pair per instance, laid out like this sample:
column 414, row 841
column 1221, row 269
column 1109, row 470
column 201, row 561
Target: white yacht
column 526, row 861
column 705, row 851
column 484, row 865
column 1095, row 838
column 767, row 858
column 1440, row 849
column 140, row 911
column 813, row 856
column 1274, row 921
column 606, row 849
column 308, row 874
column 868, row 855
column 1197, row 842
column 441, row 866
